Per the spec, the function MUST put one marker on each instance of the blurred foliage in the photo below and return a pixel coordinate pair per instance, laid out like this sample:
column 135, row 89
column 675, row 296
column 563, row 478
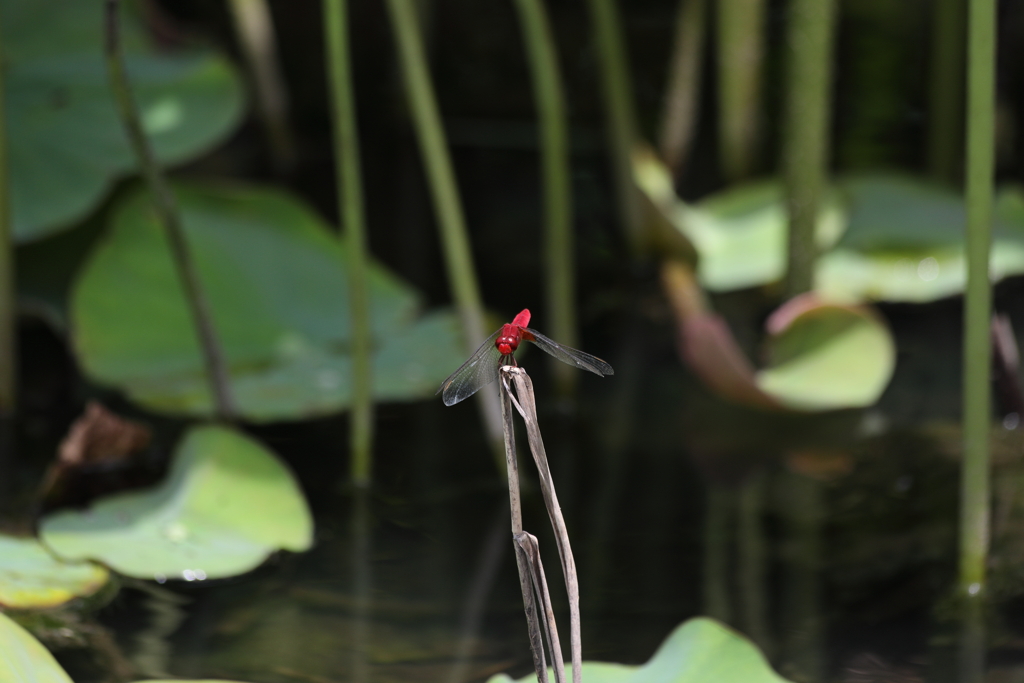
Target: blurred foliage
column 67, row 145
column 276, row 281
column 699, row 650
column 30, row 577
column 226, row 504
column 884, row 236
column 23, row 659
column 826, row 357
column 819, row 355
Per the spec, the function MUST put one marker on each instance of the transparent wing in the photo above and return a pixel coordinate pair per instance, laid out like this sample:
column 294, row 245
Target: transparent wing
column 568, row 354
column 480, row 370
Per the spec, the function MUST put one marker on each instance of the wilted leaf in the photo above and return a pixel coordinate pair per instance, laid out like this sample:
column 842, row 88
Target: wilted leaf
column 227, row 503
column 67, row 145
column 822, row 356
column 276, row 281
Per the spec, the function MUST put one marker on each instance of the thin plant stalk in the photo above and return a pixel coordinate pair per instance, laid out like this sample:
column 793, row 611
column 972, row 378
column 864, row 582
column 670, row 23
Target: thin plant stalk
column 527, row 408
column 802, row 507
column 679, row 118
column 806, row 135
column 718, row 518
column 350, row 207
column 516, row 515
column 441, row 177
column 549, row 95
column 8, row 316
column 254, row 26
column 752, row 560
column 740, row 26
column 527, row 546
column 946, row 90
column 977, row 409
column 617, row 91
column 362, row 585
column 166, row 207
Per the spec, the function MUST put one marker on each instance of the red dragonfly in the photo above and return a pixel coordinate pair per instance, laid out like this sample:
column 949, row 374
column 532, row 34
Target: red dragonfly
column 482, row 367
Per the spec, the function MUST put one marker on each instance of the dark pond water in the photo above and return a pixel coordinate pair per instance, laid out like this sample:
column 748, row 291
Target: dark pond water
column 830, row 539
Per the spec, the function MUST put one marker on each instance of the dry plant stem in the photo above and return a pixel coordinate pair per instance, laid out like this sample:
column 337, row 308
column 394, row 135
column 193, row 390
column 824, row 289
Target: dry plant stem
column 526, row 543
column 166, row 208
column 516, row 510
column 255, row 28
column 527, row 407
column 350, row 206
column 680, row 115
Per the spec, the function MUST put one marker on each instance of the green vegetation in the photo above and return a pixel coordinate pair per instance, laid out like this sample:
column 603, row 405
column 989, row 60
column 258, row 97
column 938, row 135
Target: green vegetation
column 226, row 504
column 164, row 253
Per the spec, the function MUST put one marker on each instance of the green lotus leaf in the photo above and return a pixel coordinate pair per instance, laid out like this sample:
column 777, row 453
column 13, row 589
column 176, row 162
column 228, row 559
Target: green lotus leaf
column 66, row 142
column 826, row 356
column 891, row 211
column 740, row 233
column 896, row 212
column 23, row 659
column 905, row 242
column 698, row 651
column 277, row 286
column 1009, row 209
column 30, row 577
column 846, row 276
column 226, row 504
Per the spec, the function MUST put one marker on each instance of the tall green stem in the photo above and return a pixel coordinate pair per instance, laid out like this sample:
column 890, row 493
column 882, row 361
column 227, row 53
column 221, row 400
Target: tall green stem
column 255, row 28
column 680, row 115
column 618, row 102
column 166, row 208
column 350, row 207
column 718, row 520
column 809, row 83
column 803, row 510
column 946, row 90
column 752, row 554
column 977, row 410
column 558, row 248
column 441, row 176
column 740, row 55
column 8, row 317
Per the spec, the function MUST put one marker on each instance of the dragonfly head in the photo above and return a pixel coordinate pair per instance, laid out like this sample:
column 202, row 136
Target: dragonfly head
column 508, row 341
column 506, row 345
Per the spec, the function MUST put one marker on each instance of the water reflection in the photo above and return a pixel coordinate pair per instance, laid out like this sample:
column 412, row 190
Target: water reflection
column 828, row 540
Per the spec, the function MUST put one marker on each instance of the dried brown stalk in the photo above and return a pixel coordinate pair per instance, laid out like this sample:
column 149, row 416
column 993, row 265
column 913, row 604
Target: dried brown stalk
column 530, row 568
